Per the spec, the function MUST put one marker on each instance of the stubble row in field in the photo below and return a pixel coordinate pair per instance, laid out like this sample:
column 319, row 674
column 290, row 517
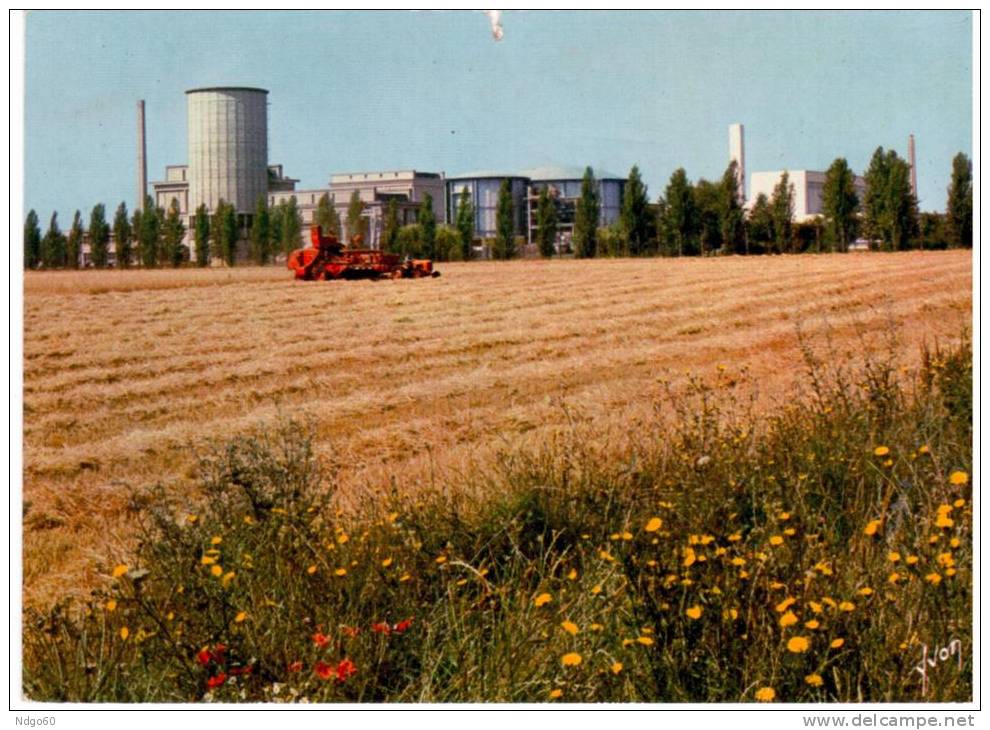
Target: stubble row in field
column 126, row 372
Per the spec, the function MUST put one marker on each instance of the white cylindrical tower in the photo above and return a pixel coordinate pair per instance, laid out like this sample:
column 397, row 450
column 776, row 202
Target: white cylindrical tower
column 228, row 146
column 737, row 153
column 142, row 159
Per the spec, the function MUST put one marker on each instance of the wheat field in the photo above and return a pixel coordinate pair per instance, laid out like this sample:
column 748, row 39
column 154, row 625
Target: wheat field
column 126, row 374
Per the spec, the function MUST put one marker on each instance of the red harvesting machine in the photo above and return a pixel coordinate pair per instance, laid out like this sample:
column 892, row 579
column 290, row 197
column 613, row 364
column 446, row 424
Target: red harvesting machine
column 327, row 258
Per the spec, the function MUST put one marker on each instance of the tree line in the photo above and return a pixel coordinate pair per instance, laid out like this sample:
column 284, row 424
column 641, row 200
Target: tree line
column 688, row 219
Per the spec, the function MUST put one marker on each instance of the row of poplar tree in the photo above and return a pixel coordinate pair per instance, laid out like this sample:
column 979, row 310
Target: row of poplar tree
column 688, row 219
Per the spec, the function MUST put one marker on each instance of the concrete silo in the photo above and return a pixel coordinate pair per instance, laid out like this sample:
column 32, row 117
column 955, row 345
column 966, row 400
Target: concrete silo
column 228, row 146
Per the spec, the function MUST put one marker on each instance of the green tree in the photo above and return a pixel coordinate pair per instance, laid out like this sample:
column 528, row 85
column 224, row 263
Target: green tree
column 409, row 241
column 427, row 220
column 74, row 242
column 933, row 231
column 586, row 215
column 840, row 204
column 53, row 245
column 505, row 224
column 99, row 236
column 201, row 233
column 730, row 212
column 390, row 231
column 122, row 236
column 708, row 208
column 890, row 210
column 677, row 219
column 465, row 224
column 635, row 218
column 759, row 225
column 149, row 236
column 959, row 206
column 173, row 232
column 326, row 216
column 260, row 241
column 356, row 222
column 546, row 223
column 32, row 241
column 448, row 244
column 782, row 213
column 290, row 225
column 225, row 233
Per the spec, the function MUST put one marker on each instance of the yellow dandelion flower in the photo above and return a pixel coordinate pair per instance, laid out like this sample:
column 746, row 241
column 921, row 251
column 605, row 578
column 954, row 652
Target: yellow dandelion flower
column 654, row 524
column 943, row 521
column 556, row 694
column 954, row 542
column 707, row 539
column 847, row 606
column 785, row 604
column 605, row 555
column 124, row 633
column 216, row 571
column 788, row 619
column 958, row 478
column 911, row 559
column 829, row 602
column 596, row 627
column 572, row 575
column 790, row 531
column 765, row 694
column 933, row 539
column 311, row 569
column 340, row 572
column 731, row 613
column 950, row 572
column 216, row 540
column 191, row 518
column 959, row 503
column 812, row 624
column 386, row 562
column 689, row 557
column 227, row 578
column 645, row 640
column 784, row 516
column 207, row 560
column 893, row 557
column 616, row 667
column 888, row 462
column 628, row 642
column 933, row 578
column 837, row 643
column 596, row 589
column 871, row 527
column 865, row 591
column 798, row 644
column 881, row 451
column 735, row 537
column 248, row 520
column 776, row 540
column 240, row 617
column 571, row 660
column 893, row 578
column 945, row 560
column 405, row 577
column 815, row 606
column 111, row 605
column 627, row 536
column 119, row 570
column 170, row 615
column 694, row 612
column 814, row 680
column 739, row 561
column 542, row 599
column 441, row 559
column 570, row 627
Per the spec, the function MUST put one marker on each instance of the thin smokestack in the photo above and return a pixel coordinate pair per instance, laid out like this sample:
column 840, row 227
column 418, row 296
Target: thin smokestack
column 737, row 152
column 142, row 159
column 914, row 167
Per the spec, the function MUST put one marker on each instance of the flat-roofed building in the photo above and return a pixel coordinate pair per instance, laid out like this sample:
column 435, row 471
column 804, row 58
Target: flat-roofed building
column 808, row 188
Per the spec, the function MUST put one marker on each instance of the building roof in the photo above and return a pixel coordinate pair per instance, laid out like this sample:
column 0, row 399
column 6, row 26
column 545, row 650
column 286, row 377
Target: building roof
column 566, row 172
column 484, row 174
column 227, row 88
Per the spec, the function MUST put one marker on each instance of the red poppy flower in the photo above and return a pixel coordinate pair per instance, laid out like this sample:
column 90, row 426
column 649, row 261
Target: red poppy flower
column 216, row 681
column 345, row 669
column 403, row 625
column 234, row 671
column 381, row 628
column 351, row 631
column 321, row 639
column 323, row 670
column 218, row 651
column 296, row 667
column 203, row 657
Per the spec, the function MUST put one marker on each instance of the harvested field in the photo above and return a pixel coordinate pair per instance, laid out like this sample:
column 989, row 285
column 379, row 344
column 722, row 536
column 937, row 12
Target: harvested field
column 125, row 372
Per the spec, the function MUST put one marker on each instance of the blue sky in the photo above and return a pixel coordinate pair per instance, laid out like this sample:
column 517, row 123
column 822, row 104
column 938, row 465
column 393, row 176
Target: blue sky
column 433, row 91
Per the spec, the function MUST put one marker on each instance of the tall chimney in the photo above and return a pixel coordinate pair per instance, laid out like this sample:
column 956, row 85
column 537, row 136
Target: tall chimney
column 142, row 161
column 914, row 167
column 737, row 152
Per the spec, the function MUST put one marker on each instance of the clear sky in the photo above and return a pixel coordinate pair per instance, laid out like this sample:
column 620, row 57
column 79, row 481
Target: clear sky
column 352, row 91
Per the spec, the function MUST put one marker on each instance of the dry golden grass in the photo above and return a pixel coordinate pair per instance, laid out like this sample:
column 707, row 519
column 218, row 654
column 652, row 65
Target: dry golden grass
column 125, row 372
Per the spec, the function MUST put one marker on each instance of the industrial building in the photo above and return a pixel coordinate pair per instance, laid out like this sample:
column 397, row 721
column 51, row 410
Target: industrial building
column 808, row 187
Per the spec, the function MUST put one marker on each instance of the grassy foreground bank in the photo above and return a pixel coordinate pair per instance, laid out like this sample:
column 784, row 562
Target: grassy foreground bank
column 816, row 552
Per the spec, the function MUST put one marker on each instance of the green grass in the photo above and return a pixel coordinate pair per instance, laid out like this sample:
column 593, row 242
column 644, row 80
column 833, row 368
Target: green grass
column 768, row 521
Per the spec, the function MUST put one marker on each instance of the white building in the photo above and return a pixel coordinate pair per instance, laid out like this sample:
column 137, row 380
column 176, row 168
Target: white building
column 808, row 187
